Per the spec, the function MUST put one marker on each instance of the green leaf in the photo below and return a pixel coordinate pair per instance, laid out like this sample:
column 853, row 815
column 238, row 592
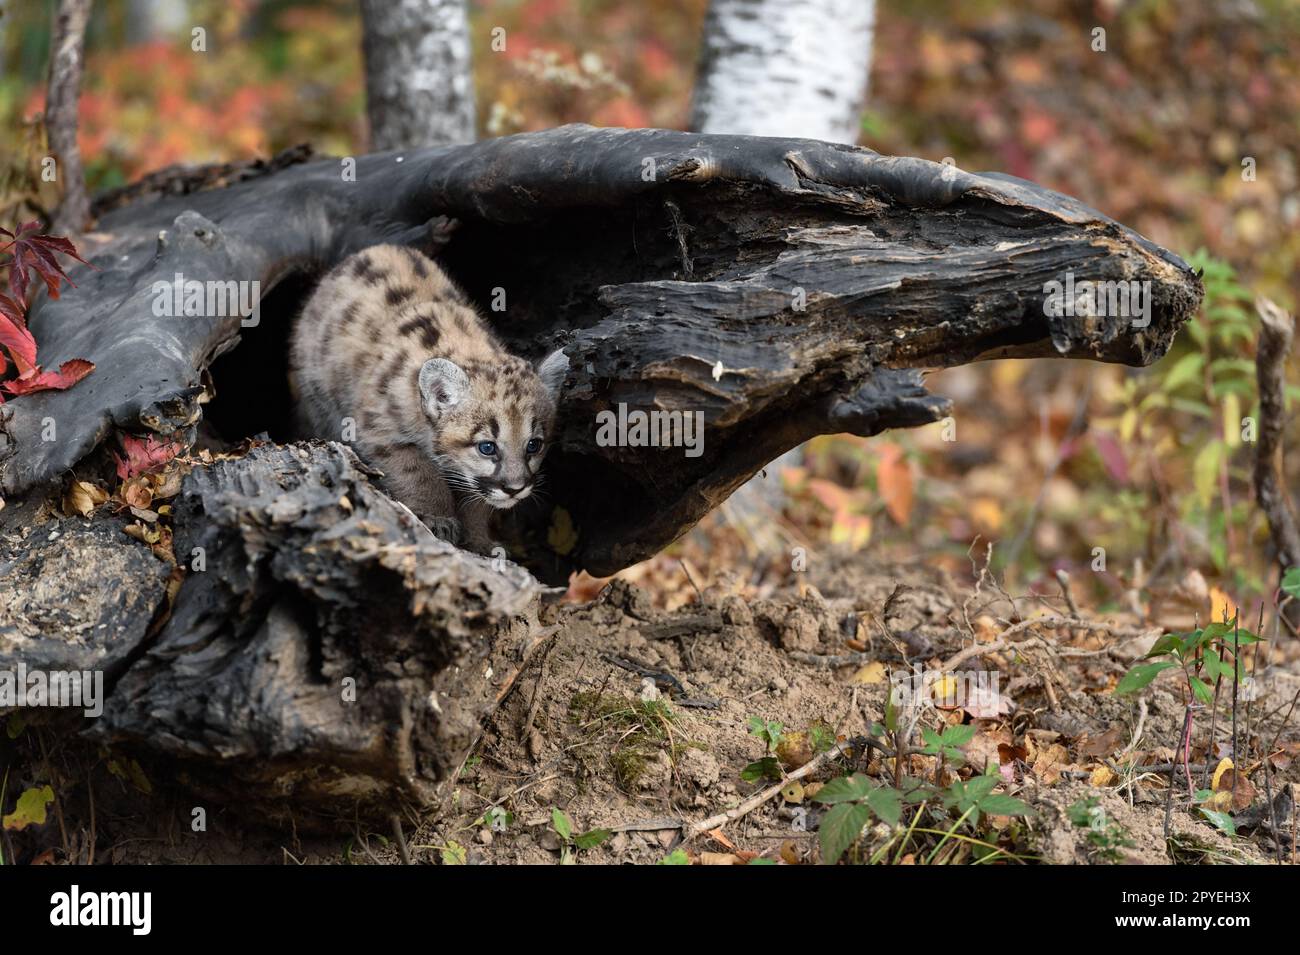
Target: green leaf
column 676, row 857
column 1205, row 470
column 765, row 768
column 1138, row 677
column 958, row 735
column 1224, row 822
column 760, row 860
column 30, row 810
column 886, row 803
column 981, row 786
column 592, row 838
column 16, row 725
column 1214, row 666
column 1185, row 371
column 453, row 854
column 1000, row 805
column 1202, row 690
column 933, row 741
column 844, row 789
column 840, row 828
column 562, row 825
column 891, row 714
column 1169, row 643
column 1291, row 581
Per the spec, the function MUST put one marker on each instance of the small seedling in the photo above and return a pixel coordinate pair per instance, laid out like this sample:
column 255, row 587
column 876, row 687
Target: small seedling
column 1200, row 652
column 1105, row 836
column 571, row 844
column 769, row 767
column 948, row 743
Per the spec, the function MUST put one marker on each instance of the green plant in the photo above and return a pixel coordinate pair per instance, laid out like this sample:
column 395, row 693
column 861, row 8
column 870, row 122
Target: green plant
column 769, row 767
column 1106, row 837
column 853, row 800
column 570, row 844
column 1201, row 653
column 948, row 743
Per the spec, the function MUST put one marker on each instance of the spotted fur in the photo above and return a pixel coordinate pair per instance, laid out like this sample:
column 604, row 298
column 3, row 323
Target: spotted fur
column 388, row 342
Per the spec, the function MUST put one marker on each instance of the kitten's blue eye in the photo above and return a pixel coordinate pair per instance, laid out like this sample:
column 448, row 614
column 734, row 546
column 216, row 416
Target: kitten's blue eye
column 487, row 448
column 533, row 446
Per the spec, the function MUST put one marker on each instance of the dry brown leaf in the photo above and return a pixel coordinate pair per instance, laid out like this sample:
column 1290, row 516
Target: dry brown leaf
column 82, row 498
column 1103, row 745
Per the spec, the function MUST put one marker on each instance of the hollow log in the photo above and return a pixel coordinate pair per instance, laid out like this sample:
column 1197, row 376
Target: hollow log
column 779, row 288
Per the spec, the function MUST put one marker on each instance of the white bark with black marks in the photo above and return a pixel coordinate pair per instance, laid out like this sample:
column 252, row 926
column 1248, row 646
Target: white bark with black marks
column 784, row 68
column 419, row 83
column 67, row 62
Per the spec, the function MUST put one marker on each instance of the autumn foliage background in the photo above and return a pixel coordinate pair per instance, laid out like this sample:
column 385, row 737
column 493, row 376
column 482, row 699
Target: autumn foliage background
column 1053, row 460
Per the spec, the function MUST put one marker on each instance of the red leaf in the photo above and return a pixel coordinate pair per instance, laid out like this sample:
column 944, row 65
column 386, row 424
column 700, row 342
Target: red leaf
column 1112, row 455
column 18, row 341
column 143, row 455
column 33, row 379
column 37, row 253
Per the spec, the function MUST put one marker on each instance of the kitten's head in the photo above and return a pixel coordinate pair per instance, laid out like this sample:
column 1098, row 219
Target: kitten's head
column 492, row 422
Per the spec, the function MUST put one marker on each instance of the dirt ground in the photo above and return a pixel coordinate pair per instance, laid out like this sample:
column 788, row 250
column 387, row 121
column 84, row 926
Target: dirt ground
column 636, row 721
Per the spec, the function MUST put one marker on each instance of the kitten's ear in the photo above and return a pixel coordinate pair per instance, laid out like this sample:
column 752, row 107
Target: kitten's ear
column 552, row 371
column 443, row 385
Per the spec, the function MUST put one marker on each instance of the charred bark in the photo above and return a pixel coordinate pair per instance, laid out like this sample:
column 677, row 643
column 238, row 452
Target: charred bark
column 780, row 288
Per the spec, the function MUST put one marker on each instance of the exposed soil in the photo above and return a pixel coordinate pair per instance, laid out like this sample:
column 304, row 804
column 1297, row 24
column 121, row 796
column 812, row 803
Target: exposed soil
column 639, row 752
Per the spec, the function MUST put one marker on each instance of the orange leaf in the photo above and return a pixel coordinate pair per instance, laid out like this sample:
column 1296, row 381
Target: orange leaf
column 894, row 480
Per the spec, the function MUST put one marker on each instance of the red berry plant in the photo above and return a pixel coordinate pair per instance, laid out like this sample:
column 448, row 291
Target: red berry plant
column 33, row 259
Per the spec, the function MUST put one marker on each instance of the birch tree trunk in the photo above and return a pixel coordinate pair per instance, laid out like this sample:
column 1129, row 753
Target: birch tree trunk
column 67, row 61
column 784, row 68
column 419, row 84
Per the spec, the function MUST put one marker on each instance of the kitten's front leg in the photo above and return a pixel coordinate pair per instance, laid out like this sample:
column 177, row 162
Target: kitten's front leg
column 410, row 477
column 476, row 519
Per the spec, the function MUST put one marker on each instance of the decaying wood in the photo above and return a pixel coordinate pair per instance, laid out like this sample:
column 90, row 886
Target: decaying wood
column 780, row 288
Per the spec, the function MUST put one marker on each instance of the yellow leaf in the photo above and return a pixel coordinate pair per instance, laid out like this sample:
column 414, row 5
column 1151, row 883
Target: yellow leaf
column 986, row 514
column 1102, row 775
column 1223, row 767
column 561, row 535
column 30, row 809
column 850, row 531
column 1232, row 419
column 869, row 675
column 1220, row 605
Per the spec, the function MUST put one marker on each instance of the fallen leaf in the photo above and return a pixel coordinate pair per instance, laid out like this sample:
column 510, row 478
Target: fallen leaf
column 82, row 498
column 1103, row 745
column 869, row 674
column 894, row 482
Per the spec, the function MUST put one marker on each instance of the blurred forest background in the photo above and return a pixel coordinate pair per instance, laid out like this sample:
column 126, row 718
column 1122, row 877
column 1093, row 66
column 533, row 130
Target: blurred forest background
column 1184, row 128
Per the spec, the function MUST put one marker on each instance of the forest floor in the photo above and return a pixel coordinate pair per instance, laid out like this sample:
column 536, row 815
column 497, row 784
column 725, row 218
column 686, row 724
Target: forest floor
column 635, row 722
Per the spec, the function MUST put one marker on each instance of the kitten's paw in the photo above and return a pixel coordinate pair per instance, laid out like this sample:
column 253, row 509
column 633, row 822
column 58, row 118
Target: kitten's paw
column 445, row 528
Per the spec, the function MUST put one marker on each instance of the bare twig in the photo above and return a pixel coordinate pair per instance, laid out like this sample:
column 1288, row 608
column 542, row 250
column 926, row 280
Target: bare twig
column 753, row 802
column 400, row 838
